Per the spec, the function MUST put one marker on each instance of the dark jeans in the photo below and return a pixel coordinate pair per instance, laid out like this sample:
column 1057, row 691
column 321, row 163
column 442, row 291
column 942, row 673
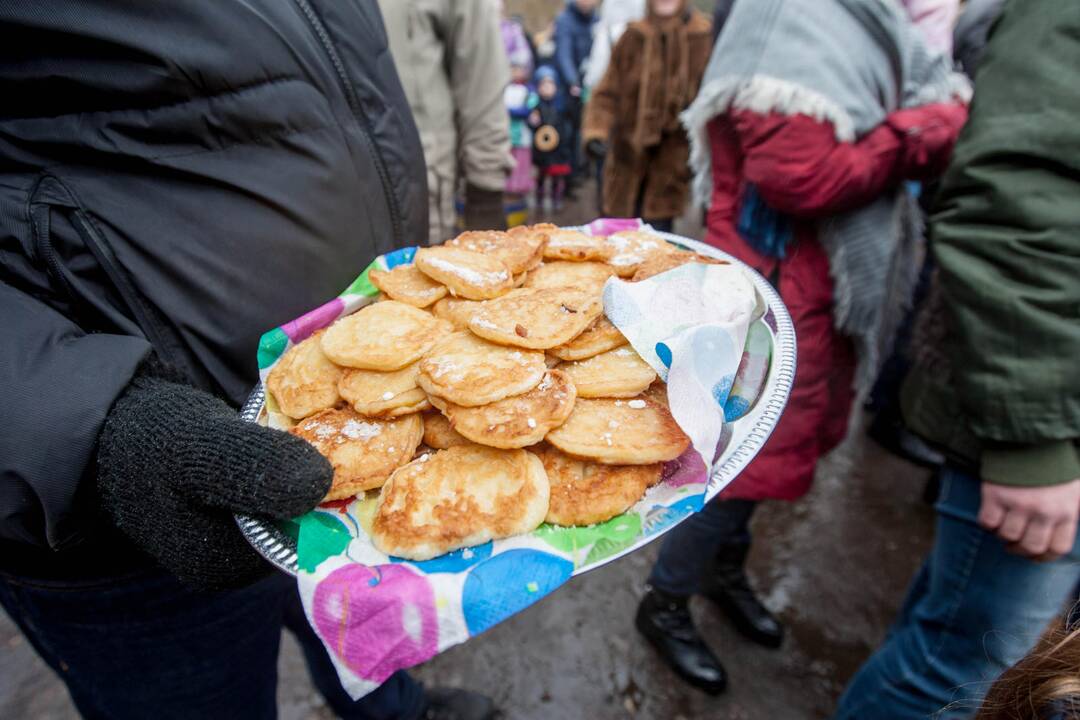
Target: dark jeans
column 691, row 547
column 145, row 646
column 972, row 610
column 662, row 224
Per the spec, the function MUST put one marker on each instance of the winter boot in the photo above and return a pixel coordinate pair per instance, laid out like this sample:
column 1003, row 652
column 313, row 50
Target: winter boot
column 665, row 622
column 457, row 704
column 730, row 589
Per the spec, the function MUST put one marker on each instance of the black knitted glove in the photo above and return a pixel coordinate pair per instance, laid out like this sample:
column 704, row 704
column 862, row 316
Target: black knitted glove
column 175, row 463
column 484, row 209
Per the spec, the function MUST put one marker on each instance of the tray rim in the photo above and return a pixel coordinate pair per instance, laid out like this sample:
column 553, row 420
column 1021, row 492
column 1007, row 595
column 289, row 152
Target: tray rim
column 280, row 550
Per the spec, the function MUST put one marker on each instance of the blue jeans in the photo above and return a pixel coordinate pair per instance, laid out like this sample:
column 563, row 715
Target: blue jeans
column 972, row 611
column 688, row 549
column 145, row 646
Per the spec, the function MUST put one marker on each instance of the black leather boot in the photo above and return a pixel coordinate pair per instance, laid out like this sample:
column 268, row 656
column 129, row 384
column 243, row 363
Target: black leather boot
column 729, row 588
column 665, row 622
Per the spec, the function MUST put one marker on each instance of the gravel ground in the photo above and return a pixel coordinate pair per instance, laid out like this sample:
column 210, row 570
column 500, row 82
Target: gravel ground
column 834, row 566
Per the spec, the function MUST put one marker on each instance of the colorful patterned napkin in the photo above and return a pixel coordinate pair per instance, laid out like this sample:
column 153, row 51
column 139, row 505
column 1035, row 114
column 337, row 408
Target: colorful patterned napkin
column 690, row 324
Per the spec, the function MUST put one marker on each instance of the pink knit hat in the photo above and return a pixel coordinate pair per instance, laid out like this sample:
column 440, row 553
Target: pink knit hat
column 936, row 19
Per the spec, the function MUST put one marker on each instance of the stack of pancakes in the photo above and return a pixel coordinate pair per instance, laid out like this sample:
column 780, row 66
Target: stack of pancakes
column 485, row 392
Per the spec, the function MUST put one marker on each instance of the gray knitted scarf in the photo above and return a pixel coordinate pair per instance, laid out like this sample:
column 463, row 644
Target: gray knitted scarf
column 848, row 62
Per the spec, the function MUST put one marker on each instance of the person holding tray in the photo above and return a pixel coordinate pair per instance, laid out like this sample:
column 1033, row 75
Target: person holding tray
column 812, row 117
column 175, row 179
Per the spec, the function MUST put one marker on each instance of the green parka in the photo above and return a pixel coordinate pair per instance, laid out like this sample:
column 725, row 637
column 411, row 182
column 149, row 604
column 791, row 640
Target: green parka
column 1006, row 237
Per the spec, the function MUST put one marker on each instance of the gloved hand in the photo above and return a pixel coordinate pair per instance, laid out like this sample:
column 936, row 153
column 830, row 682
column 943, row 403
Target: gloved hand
column 175, row 463
column 928, row 134
column 484, row 209
column 596, row 149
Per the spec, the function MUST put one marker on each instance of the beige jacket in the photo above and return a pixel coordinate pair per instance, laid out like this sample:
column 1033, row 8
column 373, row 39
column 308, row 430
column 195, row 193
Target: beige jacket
column 453, row 67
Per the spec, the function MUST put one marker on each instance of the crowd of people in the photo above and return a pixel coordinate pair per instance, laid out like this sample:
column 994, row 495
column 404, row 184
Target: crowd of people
column 163, row 174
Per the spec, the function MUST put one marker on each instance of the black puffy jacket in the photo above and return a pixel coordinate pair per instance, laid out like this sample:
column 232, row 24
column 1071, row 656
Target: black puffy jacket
column 181, row 176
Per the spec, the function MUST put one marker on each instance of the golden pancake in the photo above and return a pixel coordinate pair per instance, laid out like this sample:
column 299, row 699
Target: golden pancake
column 364, row 452
column 459, row 312
column 455, row 498
column 456, row 311
column 657, row 392
column 383, row 394
column 551, row 361
column 517, row 421
column 618, row 373
column 561, row 273
column 631, row 248
column 576, row 246
column 468, row 370
column 407, row 284
column 383, row 336
column 599, row 337
column 586, row 493
column 466, row 274
column 536, row 319
column 438, row 433
column 519, row 249
column 662, row 262
column 304, row 381
column 620, row 432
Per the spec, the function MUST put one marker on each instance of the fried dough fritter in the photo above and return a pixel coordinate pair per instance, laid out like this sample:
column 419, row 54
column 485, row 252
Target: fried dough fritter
column 520, row 249
column 382, row 336
column 586, row 493
column 438, row 434
column 457, row 498
column 618, row 373
column 599, row 337
column 407, row 284
column 662, row 262
column 470, row 371
column 383, row 394
column 563, row 273
column 576, row 246
column 304, row 381
column 459, row 312
column 631, row 248
column 620, row 432
column 517, row 421
column 456, row 311
column 536, row 319
column 657, row 392
column 466, row 274
column 363, row 451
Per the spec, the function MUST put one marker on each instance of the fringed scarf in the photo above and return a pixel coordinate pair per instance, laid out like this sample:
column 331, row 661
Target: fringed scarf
column 848, row 62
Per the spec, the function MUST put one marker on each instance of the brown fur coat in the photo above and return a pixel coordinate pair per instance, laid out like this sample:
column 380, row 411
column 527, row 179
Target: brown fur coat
column 654, row 74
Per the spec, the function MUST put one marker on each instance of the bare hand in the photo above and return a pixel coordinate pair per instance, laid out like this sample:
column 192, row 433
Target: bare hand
column 534, row 117
column 575, row 90
column 1036, row 522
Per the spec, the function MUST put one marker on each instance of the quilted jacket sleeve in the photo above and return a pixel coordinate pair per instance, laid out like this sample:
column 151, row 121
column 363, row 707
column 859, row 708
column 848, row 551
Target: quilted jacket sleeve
column 1006, row 234
column 479, row 73
column 56, row 386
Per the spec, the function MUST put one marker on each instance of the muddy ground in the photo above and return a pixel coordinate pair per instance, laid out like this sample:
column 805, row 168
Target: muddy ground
column 834, row 566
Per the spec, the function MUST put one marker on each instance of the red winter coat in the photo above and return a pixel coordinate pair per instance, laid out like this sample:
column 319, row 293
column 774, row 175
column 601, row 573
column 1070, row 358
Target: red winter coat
column 802, row 170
